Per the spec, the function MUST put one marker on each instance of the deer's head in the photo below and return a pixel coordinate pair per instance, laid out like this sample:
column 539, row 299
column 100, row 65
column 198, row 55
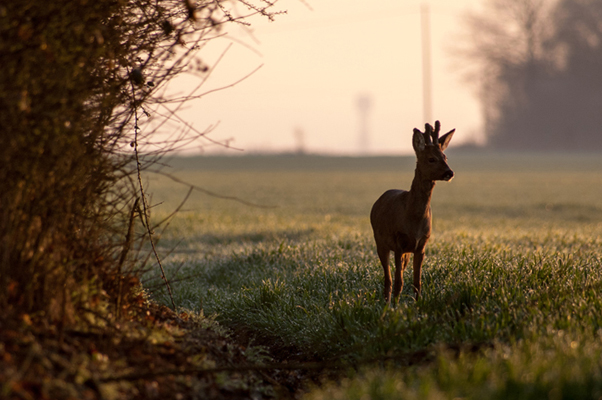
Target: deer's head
column 429, row 147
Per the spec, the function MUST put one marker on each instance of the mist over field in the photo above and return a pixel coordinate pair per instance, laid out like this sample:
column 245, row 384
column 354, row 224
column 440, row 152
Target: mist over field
column 511, row 278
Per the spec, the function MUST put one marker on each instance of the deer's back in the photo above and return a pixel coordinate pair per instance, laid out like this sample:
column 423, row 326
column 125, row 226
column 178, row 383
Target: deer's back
column 389, row 204
column 394, row 226
column 387, row 214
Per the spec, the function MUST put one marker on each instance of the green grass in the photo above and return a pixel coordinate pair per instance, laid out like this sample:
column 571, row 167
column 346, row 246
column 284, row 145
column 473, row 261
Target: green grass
column 513, row 270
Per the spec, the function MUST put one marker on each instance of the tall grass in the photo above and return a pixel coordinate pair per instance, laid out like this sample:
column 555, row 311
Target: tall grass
column 511, row 301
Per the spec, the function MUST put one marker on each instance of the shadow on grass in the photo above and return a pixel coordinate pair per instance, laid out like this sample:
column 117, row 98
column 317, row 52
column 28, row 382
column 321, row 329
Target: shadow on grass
column 257, row 237
column 225, row 239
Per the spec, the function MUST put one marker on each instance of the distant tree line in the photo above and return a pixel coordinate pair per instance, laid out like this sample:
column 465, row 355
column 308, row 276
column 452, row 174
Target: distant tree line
column 538, row 65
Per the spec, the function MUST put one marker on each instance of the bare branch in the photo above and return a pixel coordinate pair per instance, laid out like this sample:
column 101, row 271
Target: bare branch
column 213, row 194
column 144, row 201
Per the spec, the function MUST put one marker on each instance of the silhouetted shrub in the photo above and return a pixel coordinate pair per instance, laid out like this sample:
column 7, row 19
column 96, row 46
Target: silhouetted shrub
column 73, row 77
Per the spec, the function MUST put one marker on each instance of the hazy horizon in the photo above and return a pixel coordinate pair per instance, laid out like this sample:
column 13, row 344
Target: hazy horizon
column 316, row 64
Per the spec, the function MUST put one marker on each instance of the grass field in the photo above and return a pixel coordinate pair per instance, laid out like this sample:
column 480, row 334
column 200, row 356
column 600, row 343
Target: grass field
column 512, row 279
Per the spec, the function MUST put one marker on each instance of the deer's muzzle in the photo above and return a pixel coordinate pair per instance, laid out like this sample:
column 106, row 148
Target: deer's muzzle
column 448, row 175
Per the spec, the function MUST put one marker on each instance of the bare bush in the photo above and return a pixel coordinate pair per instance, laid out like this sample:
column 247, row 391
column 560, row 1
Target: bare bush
column 77, row 78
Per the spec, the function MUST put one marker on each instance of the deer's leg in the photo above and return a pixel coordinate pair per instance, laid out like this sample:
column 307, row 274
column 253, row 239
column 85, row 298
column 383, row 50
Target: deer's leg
column 418, row 257
column 383, row 255
column 401, row 261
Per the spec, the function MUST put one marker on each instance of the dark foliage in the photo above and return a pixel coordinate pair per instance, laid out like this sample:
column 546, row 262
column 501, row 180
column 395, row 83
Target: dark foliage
column 57, row 97
column 156, row 355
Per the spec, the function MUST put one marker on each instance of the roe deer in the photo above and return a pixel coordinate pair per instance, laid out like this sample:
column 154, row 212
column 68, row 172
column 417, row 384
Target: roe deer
column 401, row 220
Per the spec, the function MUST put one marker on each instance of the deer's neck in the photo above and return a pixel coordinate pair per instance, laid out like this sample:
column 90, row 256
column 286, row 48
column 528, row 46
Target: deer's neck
column 420, row 195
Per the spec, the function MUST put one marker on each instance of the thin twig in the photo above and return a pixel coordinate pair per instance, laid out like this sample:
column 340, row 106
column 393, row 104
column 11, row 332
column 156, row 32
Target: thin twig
column 219, row 89
column 124, row 252
column 213, row 194
column 144, row 201
column 177, row 210
column 128, row 236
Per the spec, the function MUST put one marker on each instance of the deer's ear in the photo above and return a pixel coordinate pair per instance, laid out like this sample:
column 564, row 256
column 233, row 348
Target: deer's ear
column 445, row 139
column 418, row 141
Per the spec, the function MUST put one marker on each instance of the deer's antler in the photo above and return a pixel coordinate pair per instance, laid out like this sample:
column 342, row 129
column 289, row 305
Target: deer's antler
column 428, row 130
column 435, row 134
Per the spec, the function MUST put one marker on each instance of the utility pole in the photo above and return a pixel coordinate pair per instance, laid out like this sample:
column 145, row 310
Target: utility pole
column 300, row 139
column 427, row 86
column 364, row 102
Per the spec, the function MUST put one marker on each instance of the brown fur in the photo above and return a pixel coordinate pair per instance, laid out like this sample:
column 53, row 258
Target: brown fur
column 401, row 220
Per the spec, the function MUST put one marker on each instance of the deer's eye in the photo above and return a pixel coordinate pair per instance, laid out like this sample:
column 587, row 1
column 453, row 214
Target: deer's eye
column 432, row 160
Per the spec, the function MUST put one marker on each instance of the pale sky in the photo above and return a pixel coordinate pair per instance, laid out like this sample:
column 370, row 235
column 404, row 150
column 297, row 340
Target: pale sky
column 315, row 65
